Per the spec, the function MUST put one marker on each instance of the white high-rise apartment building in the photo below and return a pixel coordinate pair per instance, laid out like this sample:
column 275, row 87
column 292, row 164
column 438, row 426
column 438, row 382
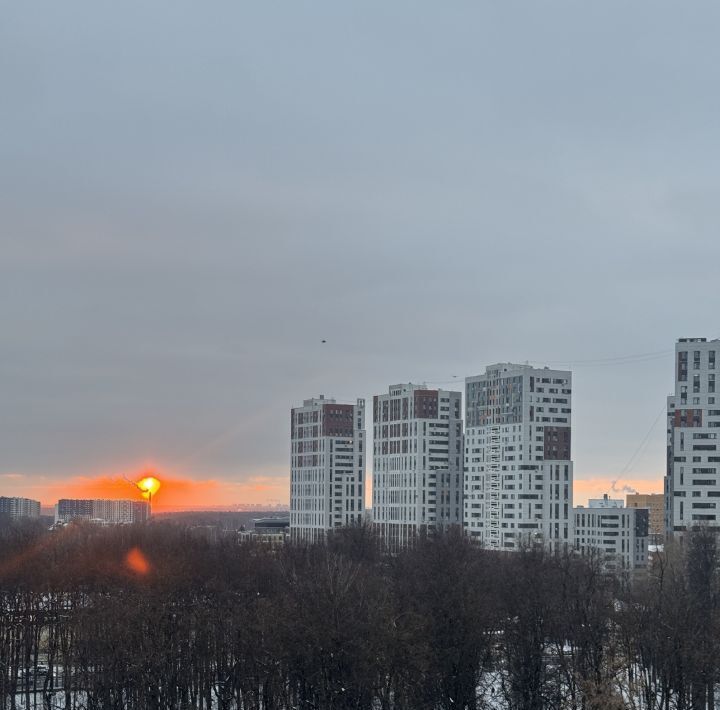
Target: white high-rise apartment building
column 109, row 512
column 16, row 508
column 327, row 443
column 518, row 471
column 417, row 462
column 692, row 483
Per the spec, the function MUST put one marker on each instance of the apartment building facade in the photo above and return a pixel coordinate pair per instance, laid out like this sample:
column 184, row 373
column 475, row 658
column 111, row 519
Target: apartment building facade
column 16, row 508
column 655, row 503
column 102, row 511
column 417, row 462
column 327, row 472
column 517, row 458
column 619, row 536
column 692, row 482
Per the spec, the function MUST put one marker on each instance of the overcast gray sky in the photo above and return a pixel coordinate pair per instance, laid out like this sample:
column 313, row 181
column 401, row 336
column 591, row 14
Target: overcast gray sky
column 194, row 195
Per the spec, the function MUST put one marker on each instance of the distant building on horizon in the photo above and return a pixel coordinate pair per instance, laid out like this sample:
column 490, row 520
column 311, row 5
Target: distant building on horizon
column 16, row 508
column 108, row 512
column 417, row 462
column 655, row 503
column 617, row 534
column 518, row 467
column 327, row 470
column 606, row 502
column 692, row 486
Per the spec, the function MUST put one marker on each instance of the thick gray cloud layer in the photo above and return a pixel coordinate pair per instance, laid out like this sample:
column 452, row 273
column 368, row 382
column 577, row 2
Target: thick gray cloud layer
column 194, row 195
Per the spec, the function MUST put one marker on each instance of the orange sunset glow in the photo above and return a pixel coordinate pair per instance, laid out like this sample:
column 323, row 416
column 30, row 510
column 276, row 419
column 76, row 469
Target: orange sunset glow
column 596, row 487
column 170, row 492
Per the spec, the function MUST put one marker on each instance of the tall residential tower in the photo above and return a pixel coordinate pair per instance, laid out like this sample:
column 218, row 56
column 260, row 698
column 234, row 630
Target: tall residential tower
column 16, row 508
column 417, row 462
column 518, row 470
column 692, row 485
column 327, row 443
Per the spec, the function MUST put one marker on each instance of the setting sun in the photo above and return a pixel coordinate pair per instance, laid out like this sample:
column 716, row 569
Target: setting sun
column 149, row 486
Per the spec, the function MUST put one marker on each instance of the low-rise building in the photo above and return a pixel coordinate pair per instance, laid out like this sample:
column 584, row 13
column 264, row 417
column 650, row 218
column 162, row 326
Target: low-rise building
column 272, row 526
column 618, row 534
column 273, row 531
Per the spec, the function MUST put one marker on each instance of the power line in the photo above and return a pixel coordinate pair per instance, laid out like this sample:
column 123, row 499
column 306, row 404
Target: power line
column 615, row 358
column 646, row 438
column 571, row 363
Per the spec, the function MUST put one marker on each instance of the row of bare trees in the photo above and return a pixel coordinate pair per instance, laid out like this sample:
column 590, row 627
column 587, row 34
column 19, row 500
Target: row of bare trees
column 151, row 617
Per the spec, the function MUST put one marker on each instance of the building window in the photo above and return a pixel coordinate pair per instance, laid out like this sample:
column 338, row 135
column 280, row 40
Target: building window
column 682, row 366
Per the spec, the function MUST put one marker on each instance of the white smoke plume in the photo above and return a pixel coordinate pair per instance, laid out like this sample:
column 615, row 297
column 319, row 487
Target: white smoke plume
column 625, row 488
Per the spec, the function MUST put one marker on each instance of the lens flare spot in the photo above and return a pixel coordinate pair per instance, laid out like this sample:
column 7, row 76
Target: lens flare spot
column 137, row 562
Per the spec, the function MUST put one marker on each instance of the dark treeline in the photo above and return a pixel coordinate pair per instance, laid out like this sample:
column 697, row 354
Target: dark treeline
column 223, row 519
column 152, row 617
